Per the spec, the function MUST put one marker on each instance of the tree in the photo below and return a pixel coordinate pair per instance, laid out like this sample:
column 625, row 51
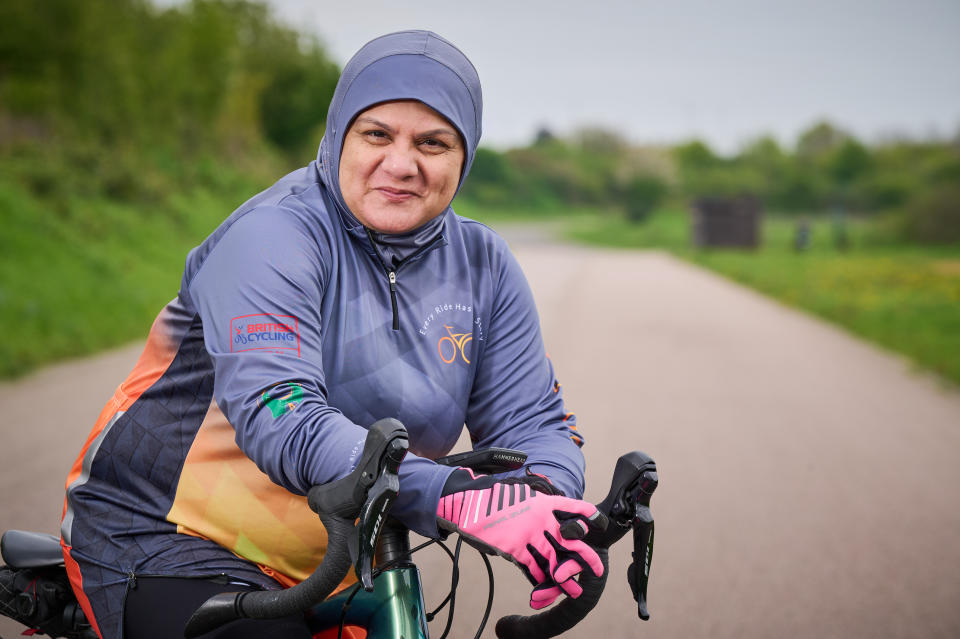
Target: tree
column 819, row 140
column 934, row 216
column 642, row 195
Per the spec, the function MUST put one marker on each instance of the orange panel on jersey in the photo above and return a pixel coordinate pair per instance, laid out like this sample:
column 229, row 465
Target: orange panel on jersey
column 224, row 497
column 158, row 353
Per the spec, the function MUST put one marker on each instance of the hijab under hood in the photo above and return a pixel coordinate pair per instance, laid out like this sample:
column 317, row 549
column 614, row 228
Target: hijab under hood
column 407, row 65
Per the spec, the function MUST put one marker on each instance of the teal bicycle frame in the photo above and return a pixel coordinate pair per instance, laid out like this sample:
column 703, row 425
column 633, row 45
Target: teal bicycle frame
column 393, row 609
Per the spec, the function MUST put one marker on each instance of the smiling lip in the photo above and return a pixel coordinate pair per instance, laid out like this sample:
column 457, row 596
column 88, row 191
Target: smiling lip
column 396, row 195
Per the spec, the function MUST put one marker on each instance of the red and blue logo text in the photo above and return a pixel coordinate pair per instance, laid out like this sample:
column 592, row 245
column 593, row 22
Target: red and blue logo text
column 265, row 332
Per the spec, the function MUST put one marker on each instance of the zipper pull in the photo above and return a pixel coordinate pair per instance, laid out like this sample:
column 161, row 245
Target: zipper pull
column 392, row 275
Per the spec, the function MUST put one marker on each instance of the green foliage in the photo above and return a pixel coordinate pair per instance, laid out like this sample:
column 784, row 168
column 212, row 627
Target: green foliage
column 642, row 195
column 594, row 168
column 491, row 181
column 934, row 216
column 127, row 133
column 208, row 75
column 294, row 103
column 94, row 273
column 828, row 170
column 847, row 162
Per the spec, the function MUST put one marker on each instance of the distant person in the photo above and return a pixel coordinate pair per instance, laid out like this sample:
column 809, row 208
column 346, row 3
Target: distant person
column 801, row 235
column 347, row 292
column 841, row 237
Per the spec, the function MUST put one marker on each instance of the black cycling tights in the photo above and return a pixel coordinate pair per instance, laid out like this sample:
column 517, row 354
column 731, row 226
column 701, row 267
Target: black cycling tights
column 159, row 607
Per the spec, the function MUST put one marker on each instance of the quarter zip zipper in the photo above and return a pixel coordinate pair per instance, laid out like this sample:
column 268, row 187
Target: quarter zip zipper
column 392, row 273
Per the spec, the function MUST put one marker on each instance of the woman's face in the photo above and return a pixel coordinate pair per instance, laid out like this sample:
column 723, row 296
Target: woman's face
column 400, row 166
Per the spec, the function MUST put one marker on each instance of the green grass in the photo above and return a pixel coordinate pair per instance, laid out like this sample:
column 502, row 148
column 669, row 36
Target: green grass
column 81, row 275
column 906, row 298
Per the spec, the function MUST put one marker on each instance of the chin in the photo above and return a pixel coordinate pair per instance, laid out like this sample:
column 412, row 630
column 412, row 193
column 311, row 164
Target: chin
column 394, row 222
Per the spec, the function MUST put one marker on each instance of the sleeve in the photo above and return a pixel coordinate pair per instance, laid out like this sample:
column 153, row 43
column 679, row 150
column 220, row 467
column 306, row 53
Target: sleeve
column 516, row 401
column 258, row 294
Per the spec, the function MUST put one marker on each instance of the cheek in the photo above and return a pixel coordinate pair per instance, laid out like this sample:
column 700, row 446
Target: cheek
column 449, row 177
column 351, row 175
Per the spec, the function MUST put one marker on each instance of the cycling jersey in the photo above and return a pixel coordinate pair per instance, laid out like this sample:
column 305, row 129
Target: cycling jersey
column 293, row 330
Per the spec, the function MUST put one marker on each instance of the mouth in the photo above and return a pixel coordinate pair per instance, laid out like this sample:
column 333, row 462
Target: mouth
column 395, row 195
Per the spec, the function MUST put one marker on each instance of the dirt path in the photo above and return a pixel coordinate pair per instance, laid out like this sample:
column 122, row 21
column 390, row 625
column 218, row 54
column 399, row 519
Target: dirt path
column 810, row 483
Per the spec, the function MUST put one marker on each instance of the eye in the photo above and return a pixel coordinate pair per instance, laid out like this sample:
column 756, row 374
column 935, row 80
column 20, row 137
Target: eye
column 433, row 145
column 377, row 136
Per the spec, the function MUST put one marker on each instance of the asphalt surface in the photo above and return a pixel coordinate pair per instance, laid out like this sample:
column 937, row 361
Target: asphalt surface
column 810, row 483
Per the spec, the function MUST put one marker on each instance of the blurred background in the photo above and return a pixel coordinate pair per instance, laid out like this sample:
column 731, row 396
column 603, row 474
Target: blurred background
column 820, row 139
column 808, row 150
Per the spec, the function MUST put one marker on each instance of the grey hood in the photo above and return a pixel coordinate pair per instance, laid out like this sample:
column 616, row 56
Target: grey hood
column 407, row 65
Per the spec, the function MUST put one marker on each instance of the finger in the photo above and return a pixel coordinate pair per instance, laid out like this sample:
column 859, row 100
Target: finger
column 535, row 563
column 574, row 507
column 577, row 550
column 573, row 529
column 543, row 596
column 567, row 570
column 587, row 555
column 597, row 521
column 571, row 588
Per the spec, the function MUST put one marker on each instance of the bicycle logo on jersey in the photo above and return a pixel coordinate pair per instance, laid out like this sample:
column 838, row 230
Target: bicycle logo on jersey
column 452, row 344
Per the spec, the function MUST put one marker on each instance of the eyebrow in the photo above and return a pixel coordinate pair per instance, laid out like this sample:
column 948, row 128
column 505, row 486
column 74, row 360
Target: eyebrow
column 389, row 129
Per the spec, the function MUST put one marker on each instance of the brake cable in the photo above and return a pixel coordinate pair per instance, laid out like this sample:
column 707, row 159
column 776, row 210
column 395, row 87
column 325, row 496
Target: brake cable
column 451, row 595
column 486, row 613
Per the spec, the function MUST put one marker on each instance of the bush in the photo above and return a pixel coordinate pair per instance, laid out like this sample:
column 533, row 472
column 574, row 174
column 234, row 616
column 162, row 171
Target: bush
column 642, row 195
column 934, row 217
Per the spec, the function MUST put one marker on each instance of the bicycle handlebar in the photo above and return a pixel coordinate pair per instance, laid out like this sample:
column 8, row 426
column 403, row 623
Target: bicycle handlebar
column 366, row 493
column 365, row 496
column 562, row 617
column 627, row 506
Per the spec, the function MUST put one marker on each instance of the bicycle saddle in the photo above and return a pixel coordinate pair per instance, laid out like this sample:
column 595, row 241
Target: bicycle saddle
column 22, row 549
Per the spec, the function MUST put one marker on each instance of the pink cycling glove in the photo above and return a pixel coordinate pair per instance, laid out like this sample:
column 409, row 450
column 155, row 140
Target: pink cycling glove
column 512, row 519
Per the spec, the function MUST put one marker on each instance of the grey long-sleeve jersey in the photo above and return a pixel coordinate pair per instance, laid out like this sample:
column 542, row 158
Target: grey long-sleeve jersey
column 290, row 336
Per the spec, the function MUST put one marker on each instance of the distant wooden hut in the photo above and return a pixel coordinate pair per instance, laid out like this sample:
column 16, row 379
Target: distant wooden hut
column 727, row 222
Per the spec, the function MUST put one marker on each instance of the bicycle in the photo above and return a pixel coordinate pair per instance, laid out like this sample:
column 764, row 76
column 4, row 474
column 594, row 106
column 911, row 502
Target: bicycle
column 388, row 598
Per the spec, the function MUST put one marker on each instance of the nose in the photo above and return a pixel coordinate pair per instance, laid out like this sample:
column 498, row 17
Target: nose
column 400, row 161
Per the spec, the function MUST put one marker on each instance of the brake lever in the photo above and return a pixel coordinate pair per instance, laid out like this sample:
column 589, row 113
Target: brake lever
column 638, row 574
column 360, row 501
column 627, row 506
column 373, row 513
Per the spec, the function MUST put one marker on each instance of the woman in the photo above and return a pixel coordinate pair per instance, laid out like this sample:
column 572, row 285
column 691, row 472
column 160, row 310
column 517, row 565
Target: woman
column 347, row 292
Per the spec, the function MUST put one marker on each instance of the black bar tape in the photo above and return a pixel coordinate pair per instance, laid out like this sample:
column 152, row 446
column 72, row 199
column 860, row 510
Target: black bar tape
column 562, row 617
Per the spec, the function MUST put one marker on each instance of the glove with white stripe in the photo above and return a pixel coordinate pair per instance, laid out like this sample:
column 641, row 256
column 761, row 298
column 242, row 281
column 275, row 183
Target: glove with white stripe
column 526, row 521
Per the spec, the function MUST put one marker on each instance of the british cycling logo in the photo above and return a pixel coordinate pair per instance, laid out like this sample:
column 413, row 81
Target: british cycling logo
column 454, row 343
column 282, row 398
column 264, row 332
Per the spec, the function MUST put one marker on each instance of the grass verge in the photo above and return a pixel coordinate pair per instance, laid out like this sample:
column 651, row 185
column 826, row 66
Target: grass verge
column 84, row 274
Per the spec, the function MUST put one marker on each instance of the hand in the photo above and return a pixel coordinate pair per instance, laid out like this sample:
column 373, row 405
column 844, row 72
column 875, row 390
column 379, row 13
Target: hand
column 537, row 531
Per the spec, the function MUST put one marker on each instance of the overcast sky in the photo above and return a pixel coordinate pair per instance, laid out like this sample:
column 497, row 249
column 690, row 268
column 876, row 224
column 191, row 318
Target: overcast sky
column 662, row 71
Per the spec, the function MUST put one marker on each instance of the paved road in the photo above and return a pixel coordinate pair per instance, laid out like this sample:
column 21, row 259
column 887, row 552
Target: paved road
column 810, row 484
